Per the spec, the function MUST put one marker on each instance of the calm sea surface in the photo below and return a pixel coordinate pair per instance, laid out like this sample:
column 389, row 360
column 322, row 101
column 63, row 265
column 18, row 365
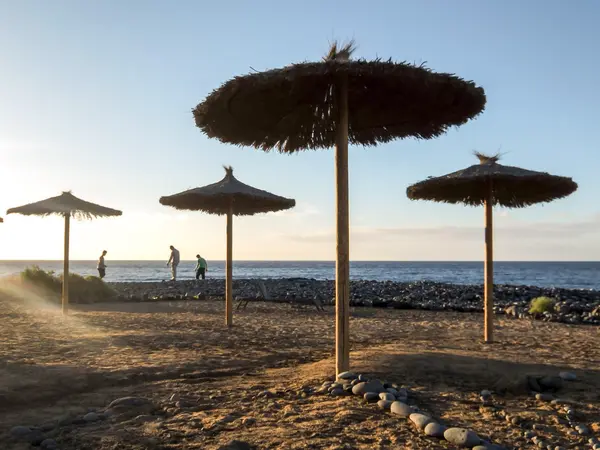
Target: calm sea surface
column 584, row 275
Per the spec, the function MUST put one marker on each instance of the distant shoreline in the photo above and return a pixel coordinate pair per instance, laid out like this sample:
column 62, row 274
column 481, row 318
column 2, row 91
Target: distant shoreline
column 306, row 261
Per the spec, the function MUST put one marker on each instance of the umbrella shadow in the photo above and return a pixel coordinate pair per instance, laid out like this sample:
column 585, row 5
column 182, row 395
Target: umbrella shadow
column 472, row 374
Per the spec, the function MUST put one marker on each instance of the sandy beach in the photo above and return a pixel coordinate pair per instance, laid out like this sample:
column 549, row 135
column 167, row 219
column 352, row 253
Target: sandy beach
column 206, row 386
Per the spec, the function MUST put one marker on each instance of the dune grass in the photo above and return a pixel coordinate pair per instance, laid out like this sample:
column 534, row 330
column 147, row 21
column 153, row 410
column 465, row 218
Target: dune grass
column 81, row 289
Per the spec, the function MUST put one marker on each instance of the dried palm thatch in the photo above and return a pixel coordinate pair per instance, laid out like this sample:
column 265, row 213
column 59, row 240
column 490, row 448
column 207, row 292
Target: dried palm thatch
column 295, row 107
column 228, row 194
column 228, row 197
column 1, row 220
column 512, row 187
column 338, row 101
column 66, row 205
column 489, row 183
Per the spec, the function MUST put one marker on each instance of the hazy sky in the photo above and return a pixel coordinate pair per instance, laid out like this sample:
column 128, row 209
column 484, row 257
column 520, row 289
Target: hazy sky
column 96, row 97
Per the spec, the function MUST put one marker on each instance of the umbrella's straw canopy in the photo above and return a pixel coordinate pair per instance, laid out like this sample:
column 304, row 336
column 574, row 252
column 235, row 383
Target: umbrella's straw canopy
column 511, row 186
column 217, row 198
column 295, row 107
column 65, row 204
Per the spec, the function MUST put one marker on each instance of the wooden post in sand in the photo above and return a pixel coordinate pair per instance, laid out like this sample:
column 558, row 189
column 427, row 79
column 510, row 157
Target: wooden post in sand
column 228, row 270
column 342, row 266
column 65, row 284
column 488, row 306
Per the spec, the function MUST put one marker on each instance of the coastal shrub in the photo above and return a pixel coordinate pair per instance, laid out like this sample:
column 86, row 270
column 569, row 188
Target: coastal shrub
column 41, row 278
column 540, row 305
column 81, row 289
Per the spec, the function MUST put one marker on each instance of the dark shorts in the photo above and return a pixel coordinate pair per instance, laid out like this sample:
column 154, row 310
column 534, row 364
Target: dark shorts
column 102, row 273
column 201, row 273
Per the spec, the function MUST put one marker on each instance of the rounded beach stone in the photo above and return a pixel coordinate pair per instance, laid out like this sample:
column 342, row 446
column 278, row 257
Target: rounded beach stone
column 550, row 383
column 568, row 376
column 91, row 417
column 420, row 420
column 371, row 397
column 434, row 429
column 387, row 396
column 338, row 392
column 49, row 444
column 401, row 409
column 130, row 402
column 347, row 376
column 20, row 431
column 369, row 386
column 384, row 404
column 544, row 397
column 462, row 437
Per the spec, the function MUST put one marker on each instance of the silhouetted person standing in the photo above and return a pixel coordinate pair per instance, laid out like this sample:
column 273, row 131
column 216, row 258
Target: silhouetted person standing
column 102, row 265
column 173, row 262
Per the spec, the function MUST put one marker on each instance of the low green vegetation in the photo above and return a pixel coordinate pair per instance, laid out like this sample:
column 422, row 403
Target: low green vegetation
column 540, row 305
column 81, row 289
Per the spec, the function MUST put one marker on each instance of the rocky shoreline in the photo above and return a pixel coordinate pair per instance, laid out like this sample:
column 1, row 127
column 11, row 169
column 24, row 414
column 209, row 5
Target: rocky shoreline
column 575, row 306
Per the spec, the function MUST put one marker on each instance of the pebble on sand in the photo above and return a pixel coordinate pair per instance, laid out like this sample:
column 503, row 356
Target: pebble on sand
column 420, row 420
column 387, row 396
column 130, row 402
column 91, row 417
column 385, row 404
column 369, row 386
column 371, row 397
column 48, row 444
column 544, row 397
column 401, row 409
column 568, row 376
column 347, row 376
column 462, row 437
column 434, row 429
column 338, row 392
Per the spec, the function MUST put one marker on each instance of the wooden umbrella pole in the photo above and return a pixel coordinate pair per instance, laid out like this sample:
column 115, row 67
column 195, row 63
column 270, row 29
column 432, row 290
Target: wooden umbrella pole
column 489, row 268
column 65, row 285
column 228, row 270
column 342, row 267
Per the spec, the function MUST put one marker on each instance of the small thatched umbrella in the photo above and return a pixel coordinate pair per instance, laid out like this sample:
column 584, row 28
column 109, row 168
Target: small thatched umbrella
column 332, row 103
column 489, row 184
column 228, row 197
column 1, row 220
column 66, row 205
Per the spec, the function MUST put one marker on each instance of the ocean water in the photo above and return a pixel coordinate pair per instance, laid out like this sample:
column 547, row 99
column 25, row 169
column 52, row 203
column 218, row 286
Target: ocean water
column 580, row 275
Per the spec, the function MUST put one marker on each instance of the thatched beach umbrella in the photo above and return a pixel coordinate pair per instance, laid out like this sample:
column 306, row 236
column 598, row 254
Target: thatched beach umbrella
column 228, row 197
column 66, row 205
column 489, row 184
column 335, row 102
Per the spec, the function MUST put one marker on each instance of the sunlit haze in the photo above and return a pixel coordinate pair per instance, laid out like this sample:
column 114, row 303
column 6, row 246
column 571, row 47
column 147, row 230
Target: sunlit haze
column 96, row 97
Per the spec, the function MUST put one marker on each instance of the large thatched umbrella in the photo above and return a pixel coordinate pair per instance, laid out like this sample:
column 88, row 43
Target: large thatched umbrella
column 66, row 205
column 489, row 184
column 228, row 197
column 332, row 103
